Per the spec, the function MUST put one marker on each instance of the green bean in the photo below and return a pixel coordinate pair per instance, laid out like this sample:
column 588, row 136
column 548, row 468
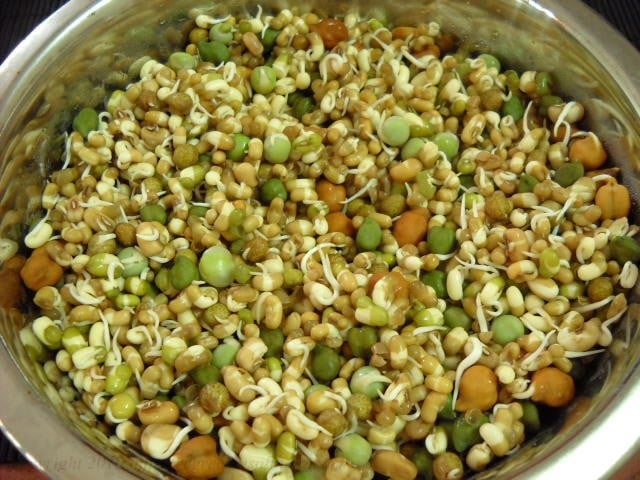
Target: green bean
column 526, row 183
column 423, row 461
column 426, row 188
column 122, row 406
column 548, row 262
column 273, row 188
column 456, row 317
column 429, row 317
column 448, row 412
column 118, row 379
column 214, row 52
column 206, row 374
column 369, row 235
column 185, row 155
column 544, row 83
column 153, row 212
column 269, row 37
column 274, row 340
column 225, row 354
column 361, row 339
column 325, row 363
column 356, row 449
column 412, row 147
column 466, row 430
column 569, row 173
column 506, row 328
column 240, row 147
column 436, row 279
column 625, row 249
column 133, row 261
column 183, row 273
column 127, row 300
column 490, row 61
column 85, row 121
column 99, row 263
column 530, row 416
column 425, row 130
column 366, row 380
column 513, row 106
column 137, row 286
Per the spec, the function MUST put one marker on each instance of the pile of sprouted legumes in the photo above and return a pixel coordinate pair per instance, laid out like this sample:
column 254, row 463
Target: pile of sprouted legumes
column 311, row 246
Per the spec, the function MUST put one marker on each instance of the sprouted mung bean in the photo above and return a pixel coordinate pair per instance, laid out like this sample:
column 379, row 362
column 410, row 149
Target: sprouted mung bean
column 332, row 245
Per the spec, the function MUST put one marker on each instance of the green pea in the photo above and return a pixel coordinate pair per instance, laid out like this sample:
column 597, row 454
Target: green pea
column 506, row 328
column 274, row 340
column 513, row 106
column 395, row 131
column 98, row 265
column 548, row 100
column 183, row 273
column 240, row 147
column 133, row 261
column 369, row 235
column 426, row 188
column 217, row 266
column 273, row 188
column 277, row 148
column 448, row 143
column 530, row 416
column 361, row 339
column 423, row 461
column 269, row 37
column 472, row 198
column 182, row 60
column 456, row 317
column 325, row 363
column 544, row 83
column 466, row 166
column 72, row 339
column 512, row 79
column 214, row 52
column 122, row 406
column 490, row 61
column 222, row 32
column 569, row 173
column 225, row 354
column 318, row 387
column 313, row 473
column 412, row 147
column 448, row 412
column 191, row 176
column 466, row 431
column 366, row 380
column 548, row 262
column 625, row 249
column 85, row 121
column 205, row 374
column 424, row 130
column 441, row 240
column 437, row 280
column 526, row 183
column 355, row 448
column 137, row 286
column 429, row 317
column 118, row 379
column 153, row 213
column 198, row 211
column 245, row 316
column 263, row 79
column 572, row 290
column 127, row 300
column 242, row 273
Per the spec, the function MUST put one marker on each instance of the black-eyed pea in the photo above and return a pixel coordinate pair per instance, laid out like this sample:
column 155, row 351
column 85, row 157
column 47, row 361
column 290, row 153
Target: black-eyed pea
column 479, row 456
column 495, row 438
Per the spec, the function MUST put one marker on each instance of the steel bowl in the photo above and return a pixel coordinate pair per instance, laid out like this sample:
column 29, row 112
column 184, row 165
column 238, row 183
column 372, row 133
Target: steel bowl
column 70, row 57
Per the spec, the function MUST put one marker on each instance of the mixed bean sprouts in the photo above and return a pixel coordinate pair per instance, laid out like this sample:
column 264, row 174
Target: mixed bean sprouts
column 311, row 247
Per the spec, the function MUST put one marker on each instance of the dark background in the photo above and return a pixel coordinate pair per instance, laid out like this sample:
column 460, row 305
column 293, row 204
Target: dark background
column 18, row 17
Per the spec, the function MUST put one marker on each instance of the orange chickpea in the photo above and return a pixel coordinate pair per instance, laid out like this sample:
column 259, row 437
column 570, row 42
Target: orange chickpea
column 589, row 151
column 552, row 387
column 11, row 290
column 331, row 30
column 40, row 271
column 339, row 222
column 410, row 227
column 613, row 199
column 478, row 389
column 331, row 194
column 198, row 459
